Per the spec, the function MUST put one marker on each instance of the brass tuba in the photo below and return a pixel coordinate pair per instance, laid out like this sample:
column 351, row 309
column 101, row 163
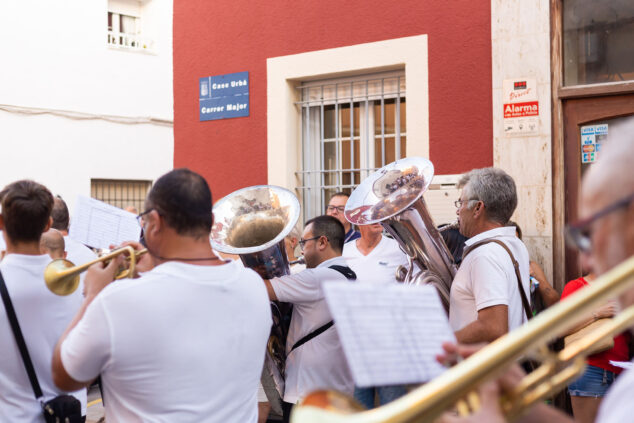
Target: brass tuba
column 393, row 196
column 252, row 223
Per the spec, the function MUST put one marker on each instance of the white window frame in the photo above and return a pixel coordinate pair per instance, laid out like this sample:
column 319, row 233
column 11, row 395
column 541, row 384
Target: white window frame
column 318, row 179
column 284, row 74
column 131, row 41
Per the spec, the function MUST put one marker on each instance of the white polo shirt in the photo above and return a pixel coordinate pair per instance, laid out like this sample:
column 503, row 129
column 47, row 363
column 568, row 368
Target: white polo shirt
column 43, row 317
column 320, row 362
column 617, row 406
column 379, row 266
column 486, row 278
column 183, row 343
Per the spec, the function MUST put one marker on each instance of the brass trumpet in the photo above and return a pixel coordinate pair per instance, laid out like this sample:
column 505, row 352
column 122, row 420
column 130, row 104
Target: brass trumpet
column 62, row 276
column 456, row 387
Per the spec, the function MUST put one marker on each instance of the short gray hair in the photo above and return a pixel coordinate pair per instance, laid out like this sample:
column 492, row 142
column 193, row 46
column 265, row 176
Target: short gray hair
column 495, row 188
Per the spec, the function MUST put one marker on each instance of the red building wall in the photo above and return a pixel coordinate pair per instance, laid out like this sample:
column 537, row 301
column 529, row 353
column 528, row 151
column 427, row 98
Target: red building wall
column 219, row 37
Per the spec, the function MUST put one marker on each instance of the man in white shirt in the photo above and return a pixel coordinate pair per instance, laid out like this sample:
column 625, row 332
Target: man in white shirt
column 485, row 300
column 605, row 234
column 318, row 363
column 185, row 341
column 76, row 252
column 42, row 315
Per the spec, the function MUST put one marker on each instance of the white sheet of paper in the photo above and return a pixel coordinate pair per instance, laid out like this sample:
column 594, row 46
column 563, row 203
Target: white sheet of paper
column 622, row 364
column 390, row 334
column 99, row 225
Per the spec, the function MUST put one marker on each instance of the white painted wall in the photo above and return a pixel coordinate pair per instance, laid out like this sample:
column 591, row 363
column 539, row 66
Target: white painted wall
column 54, row 55
column 520, row 34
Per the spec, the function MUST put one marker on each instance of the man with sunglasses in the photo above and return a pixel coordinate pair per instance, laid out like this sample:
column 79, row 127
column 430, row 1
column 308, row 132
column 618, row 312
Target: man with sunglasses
column 605, row 232
column 315, row 358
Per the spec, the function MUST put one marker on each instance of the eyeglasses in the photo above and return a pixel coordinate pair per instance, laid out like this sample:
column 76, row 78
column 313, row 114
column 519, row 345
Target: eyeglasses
column 304, row 241
column 459, row 203
column 340, row 209
column 139, row 217
column 578, row 234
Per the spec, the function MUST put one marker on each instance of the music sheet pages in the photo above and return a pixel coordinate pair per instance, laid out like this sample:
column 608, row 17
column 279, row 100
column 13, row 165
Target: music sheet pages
column 99, row 225
column 390, row 334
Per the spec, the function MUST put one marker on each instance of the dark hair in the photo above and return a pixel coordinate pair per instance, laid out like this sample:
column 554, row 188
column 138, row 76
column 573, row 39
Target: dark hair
column 331, row 228
column 340, row 194
column 517, row 228
column 60, row 214
column 183, row 199
column 26, row 208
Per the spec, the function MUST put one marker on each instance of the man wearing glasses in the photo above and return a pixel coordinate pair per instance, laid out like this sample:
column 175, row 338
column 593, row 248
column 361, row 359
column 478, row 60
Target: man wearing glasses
column 335, row 208
column 315, row 357
column 485, row 298
column 606, row 233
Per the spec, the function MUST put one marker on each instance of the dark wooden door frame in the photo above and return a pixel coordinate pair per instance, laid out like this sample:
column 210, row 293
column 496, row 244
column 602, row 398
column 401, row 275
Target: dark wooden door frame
column 578, row 112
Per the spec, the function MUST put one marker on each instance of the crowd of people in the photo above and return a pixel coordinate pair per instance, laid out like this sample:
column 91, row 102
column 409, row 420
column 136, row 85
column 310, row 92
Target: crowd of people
column 185, row 340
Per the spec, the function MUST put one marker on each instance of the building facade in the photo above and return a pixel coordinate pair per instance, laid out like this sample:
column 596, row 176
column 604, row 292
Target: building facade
column 337, row 89
column 86, row 96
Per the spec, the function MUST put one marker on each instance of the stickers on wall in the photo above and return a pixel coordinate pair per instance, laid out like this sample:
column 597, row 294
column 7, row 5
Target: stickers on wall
column 521, row 107
column 592, row 138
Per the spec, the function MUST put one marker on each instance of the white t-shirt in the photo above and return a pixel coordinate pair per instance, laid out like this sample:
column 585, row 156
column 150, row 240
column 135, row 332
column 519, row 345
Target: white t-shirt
column 379, row 266
column 43, row 317
column 320, row 362
column 183, row 343
column 617, row 405
column 486, row 278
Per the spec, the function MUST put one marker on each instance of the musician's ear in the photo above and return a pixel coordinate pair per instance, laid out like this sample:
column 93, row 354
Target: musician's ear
column 1, row 223
column 478, row 209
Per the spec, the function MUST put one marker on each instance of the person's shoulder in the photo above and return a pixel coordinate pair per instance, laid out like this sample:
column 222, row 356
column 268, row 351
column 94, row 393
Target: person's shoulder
column 572, row 286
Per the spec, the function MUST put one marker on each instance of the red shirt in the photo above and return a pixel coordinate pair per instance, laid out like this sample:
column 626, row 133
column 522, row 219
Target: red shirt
column 620, row 352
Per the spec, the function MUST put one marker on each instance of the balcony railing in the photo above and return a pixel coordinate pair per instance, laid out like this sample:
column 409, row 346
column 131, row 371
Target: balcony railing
column 130, row 41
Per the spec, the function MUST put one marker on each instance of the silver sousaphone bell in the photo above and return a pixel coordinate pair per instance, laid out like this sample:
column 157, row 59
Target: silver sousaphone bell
column 393, row 197
column 252, row 223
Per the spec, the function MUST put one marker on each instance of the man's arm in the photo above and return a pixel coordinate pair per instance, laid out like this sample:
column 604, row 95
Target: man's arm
column 492, row 322
column 97, row 278
column 270, row 290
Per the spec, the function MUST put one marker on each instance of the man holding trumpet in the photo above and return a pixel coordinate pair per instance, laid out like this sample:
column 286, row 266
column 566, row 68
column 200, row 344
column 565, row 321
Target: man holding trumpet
column 184, row 342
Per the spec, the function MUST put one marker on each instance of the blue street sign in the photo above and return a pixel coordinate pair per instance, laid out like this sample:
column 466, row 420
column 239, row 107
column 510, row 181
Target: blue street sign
column 224, row 96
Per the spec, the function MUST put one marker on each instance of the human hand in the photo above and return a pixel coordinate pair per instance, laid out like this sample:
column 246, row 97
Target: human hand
column 489, row 392
column 144, row 263
column 99, row 276
column 607, row 310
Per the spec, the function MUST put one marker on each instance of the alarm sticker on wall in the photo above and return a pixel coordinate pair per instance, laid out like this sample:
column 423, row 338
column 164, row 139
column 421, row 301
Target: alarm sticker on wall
column 521, row 107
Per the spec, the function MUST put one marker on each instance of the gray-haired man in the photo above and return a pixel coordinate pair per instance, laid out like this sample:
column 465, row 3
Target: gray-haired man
column 485, row 299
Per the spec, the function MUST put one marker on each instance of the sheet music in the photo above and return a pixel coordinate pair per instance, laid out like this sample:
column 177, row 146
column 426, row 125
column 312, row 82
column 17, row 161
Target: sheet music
column 390, row 334
column 99, row 225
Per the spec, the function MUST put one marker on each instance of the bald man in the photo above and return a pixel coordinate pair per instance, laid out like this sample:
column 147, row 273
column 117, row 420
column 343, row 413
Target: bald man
column 605, row 232
column 52, row 243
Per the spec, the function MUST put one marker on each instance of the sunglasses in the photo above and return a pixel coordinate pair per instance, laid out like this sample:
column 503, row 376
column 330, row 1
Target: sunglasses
column 579, row 235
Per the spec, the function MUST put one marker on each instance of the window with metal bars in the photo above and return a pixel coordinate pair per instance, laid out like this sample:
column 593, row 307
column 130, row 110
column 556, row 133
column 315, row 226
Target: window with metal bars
column 120, row 193
column 350, row 128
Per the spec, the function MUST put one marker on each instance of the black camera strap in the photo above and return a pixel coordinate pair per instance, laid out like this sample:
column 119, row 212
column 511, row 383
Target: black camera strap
column 19, row 339
column 351, row 276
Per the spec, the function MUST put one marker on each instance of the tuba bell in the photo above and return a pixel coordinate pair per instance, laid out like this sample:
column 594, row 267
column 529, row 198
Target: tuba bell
column 252, row 223
column 393, row 197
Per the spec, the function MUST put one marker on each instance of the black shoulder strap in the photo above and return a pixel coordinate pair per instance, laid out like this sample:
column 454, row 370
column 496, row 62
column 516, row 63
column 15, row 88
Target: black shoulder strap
column 525, row 304
column 350, row 275
column 19, row 339
column 344, row 270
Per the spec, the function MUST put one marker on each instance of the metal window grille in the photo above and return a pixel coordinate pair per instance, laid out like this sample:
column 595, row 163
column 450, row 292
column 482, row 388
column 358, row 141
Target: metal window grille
column 120, row 193
column 350, row 127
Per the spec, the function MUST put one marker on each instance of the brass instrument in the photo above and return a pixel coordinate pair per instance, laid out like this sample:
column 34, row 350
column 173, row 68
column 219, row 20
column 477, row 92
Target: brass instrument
column 428, row 402
column 393, row 196
column 252, row 223
column 62, row 276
